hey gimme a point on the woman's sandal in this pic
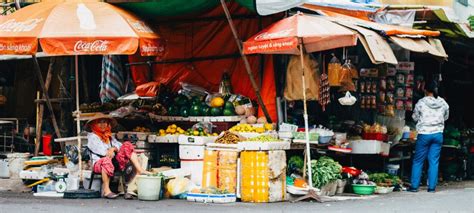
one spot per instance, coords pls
(110, 195)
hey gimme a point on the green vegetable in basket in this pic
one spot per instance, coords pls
(295, 164)
(325, 170)
(384, 179)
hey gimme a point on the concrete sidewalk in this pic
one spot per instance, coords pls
(454, 197)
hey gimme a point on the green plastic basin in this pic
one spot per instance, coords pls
(363, 189)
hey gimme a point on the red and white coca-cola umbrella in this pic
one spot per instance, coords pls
(299, 34)
(76, 27)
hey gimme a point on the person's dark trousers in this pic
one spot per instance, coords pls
(427, 146)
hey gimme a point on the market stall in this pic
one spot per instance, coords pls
(213, 136)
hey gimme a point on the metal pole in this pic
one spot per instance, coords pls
(246, 62)
(78, 120)
(306, 125)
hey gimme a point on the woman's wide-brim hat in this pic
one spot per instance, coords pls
(98, 116)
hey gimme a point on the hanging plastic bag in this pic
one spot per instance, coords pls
(347, 100)
(334, 72)
(347, 84)
(294, 82)
(225, 86)
(192, 90)
(204, 126)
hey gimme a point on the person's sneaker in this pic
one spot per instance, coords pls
(431, 190)
(412, 190)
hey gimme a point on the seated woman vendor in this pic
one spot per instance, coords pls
(108, 154)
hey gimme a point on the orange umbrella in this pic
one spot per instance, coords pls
(315, 34)
(76, 28)
(295, 35)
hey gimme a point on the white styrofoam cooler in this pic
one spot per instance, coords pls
(162, 139)
(369, 147)
(195, 167)
(196, 140)
(189, 152)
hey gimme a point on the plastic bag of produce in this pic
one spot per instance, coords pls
(122, 111)
(334, 72)
(150, 89)
(179, 186)
(347, 100)
(192, 90)
(204, 126)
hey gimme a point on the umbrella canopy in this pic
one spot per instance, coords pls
(76, 28)
(315, 33)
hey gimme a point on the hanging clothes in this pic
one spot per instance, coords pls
(114, 81)
(294, 82)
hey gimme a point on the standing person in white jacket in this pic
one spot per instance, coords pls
(430, 114)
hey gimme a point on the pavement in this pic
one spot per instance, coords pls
(453, 197)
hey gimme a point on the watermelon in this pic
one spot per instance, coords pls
(205, 110)
(195, 110)
(228, 112)
(173, 110)
(216, 111)
(229, 105)
(181, 100)
(184, 111)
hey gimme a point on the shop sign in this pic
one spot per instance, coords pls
(270, 46)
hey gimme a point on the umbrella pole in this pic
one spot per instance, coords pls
(246, 62)
(78, 120)
(81, 193)
(311, 192)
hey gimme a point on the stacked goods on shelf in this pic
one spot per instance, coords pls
(138, 136)
(220, 170)
(191, 149)
(263, 176)
(170, 135)
(368, 87)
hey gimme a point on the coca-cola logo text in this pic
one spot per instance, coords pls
(279, 34)
(19, 26)
(93, 47)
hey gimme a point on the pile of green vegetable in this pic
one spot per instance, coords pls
(384, 179)
(325, 170)
(295, 165)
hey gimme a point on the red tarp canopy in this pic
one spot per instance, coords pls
(205, 36)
